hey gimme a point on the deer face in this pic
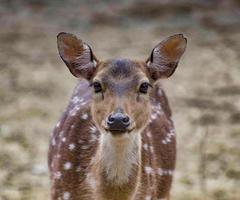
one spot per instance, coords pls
(121, 91)
(121, 87)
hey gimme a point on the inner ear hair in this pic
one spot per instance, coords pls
(77, 55)
(164, 58)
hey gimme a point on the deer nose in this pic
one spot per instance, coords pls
(118, 122)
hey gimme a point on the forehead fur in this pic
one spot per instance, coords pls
(121, 68)
(120, 75)
(118, 69)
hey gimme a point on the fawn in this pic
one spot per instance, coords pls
(116, 139)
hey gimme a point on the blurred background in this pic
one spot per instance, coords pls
(204, 92)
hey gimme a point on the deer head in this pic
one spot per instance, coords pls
(121, 87)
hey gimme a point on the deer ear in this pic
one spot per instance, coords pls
(77, 55)
(165, 56)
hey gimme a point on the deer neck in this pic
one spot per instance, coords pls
(117, 165)
(119, 157)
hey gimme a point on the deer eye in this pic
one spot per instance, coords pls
(97, 87)
(144, 88)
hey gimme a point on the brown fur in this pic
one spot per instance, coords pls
(122, 91)
(76, 129)
(88, 162)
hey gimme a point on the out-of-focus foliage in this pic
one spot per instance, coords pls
(204, 92)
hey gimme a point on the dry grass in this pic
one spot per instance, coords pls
(204, 92)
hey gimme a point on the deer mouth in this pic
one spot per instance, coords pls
(118, 131)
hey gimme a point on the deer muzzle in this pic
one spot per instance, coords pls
(118, 122)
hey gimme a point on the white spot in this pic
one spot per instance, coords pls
(93, 129)
(158, 107)
(58, 124)
(61, 134)
(52, 164)
(73, 112)
(172, 132)
(148, 170)
(154, 116)
(164, 172)
(83, 103)
(145, 146)
(156, 111)
(58, 155)
(151, 149)
(66, 195)
(57, 175)
(149, 134)
(170, 172)
(76, 100)
(148, 197)
(63, 139)
(72, 126)
(84, 147)
(53, 141)
(159, 91)
(169, 136)
(81, 141)
(67, 165)
(160, 171)
(71, 146)
(159, 112)
(84, 116)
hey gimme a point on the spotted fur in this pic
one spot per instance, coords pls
(73, 153)
(86, 161)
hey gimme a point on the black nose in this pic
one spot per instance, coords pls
(118, 122)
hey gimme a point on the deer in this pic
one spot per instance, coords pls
(116, 139)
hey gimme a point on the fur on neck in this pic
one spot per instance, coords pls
(119, 156)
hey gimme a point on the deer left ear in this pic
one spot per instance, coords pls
(165, 56)
(77, 55)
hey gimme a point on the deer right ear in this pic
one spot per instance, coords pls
(77, 55)
(165, 56)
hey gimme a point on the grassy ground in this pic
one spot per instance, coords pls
(204, 92)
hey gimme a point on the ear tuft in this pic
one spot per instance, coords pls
(76, 54)
(166, 55)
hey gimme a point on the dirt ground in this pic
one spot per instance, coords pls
(204, 92)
